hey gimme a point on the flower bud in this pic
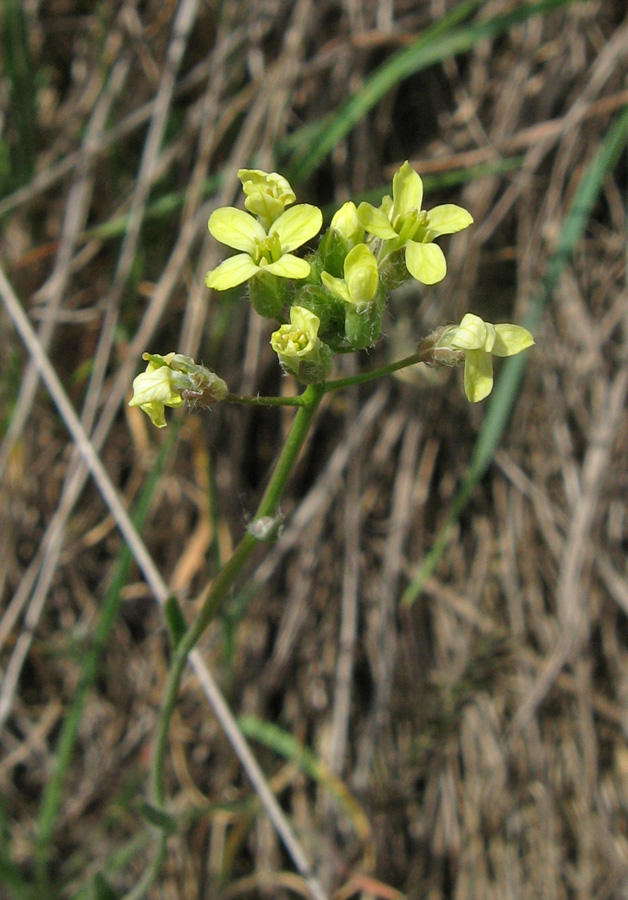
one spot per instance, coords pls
(267, 194)
(301, 352)
(344, 233)
(267, 529)
(364, 298)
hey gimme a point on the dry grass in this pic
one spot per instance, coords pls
(481, 732)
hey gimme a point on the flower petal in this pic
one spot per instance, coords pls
(156, 386)
(289, 266)
(232, 272)
(407, 190)
(474, 333)
(297, 225)
(511, 339)
(375, 221)
(478, 375)
(425, 262)
(336, 286)
(235, 228)
(305, 321)
(345, 222)
(448, 219)
(156, 413)
(361, 274)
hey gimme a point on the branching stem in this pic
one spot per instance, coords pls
(307, 403)
(363, 377)
(302, 400)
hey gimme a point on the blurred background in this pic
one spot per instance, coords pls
(431, 663)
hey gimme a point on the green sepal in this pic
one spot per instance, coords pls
(316, 267)
(175, 621)
(363, 322)
(328, 308)
(311, 371)
(363, 325)
(393, 272)
(158, 817)
(332, 251)
(269, 294)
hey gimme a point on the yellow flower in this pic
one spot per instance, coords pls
(401, 222)
(479, 341)
(172, 380)
(346, 224)
(263, 251)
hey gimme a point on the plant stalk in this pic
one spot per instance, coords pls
(221, 586)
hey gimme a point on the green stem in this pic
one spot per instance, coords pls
(302, 399)
(373, 374)
(219, 589)
(151, 873)
(307, 404)
(266, 401)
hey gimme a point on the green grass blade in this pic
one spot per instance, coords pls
(19, 69)
(286, 745)
(171, 203)
(438, 43)
(302, 138)
(503, 397)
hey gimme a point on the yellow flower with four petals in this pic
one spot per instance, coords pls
(400, 222)
(262, 250)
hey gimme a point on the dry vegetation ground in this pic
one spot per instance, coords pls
(481, 731)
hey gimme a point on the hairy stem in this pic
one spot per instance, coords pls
(265, 401)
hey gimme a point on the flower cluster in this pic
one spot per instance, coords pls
(365, 252)
(332, 300)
